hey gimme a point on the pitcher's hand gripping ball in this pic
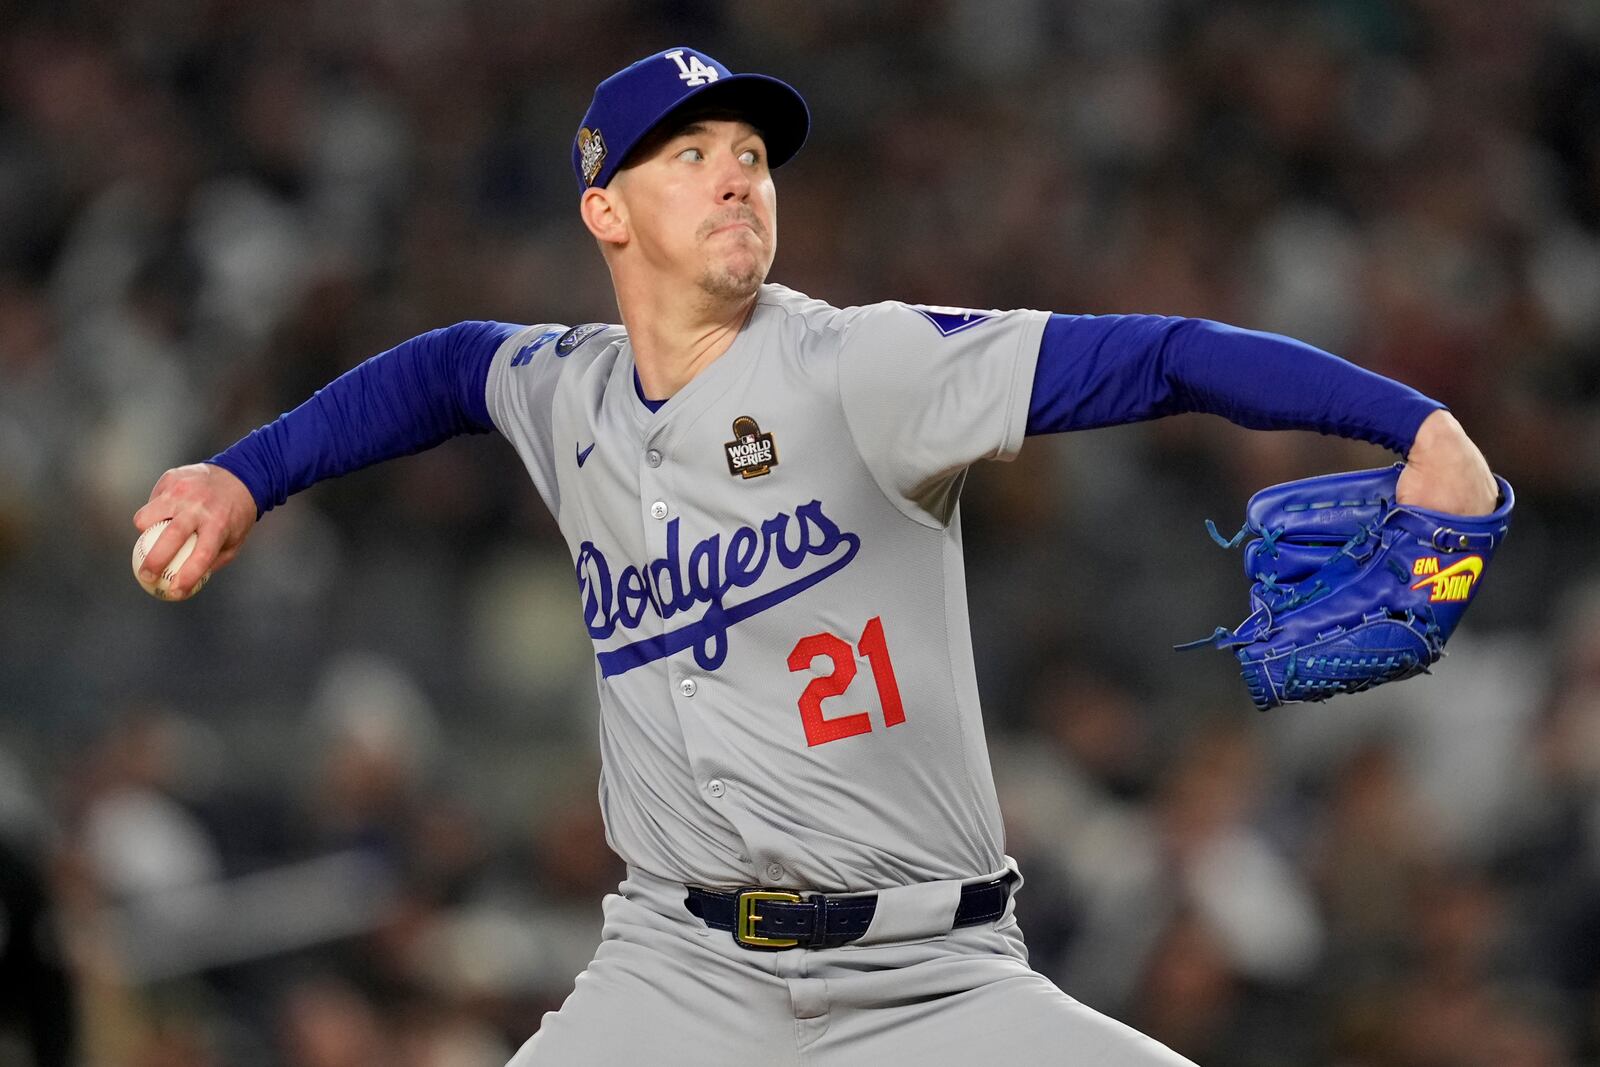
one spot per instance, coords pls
(163, 583)
(1351, 589)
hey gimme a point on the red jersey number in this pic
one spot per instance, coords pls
(819, 728)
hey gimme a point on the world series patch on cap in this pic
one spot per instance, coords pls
(639, 97)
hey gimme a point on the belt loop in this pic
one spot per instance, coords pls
(914, 912)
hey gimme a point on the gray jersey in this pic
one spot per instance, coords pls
(770, 569)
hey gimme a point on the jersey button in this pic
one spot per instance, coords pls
(653, 458)
(687, 687)
(658, 510)
(716, 788)
(774, 872)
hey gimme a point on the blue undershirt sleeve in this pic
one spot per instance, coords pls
(410, 398)
(1105, 370)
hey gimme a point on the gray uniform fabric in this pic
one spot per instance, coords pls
(770, 568)
(667, 991)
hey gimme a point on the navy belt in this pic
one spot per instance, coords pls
(778, 919)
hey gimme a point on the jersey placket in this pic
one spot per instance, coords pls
(668, 482)
(666, 505)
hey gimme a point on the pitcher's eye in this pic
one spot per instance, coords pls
(691, 155)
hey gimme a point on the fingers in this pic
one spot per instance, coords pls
(161, 552)
(157, 507)
(200, 562)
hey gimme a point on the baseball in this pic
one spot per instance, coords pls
(160, 587)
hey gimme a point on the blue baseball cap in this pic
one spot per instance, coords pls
(637, 98)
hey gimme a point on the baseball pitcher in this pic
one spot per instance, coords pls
(761, 496)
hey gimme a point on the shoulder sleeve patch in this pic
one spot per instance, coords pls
(948, 320)
(576, 336)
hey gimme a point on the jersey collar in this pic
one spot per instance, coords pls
(701, 390)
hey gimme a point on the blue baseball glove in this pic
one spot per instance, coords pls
(1350, 589)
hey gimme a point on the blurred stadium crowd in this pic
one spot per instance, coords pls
(339, 810)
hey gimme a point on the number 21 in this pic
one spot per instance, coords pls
(819, 728)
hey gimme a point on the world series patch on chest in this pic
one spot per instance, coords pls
(751, 453)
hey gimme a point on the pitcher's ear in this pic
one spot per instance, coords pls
(605, 215)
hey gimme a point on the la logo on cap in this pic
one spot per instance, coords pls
(692, 72)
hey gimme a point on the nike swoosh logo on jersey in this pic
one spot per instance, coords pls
(583, 453)
(713, 569)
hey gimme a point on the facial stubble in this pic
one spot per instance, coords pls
(737, 280)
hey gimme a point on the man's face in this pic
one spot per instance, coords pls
(701, 206)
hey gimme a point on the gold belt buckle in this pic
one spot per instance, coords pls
(745, 932)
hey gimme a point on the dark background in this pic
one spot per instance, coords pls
(339, 810)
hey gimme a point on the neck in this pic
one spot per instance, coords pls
(676, 337)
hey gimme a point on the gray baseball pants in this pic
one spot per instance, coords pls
(664, 989)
